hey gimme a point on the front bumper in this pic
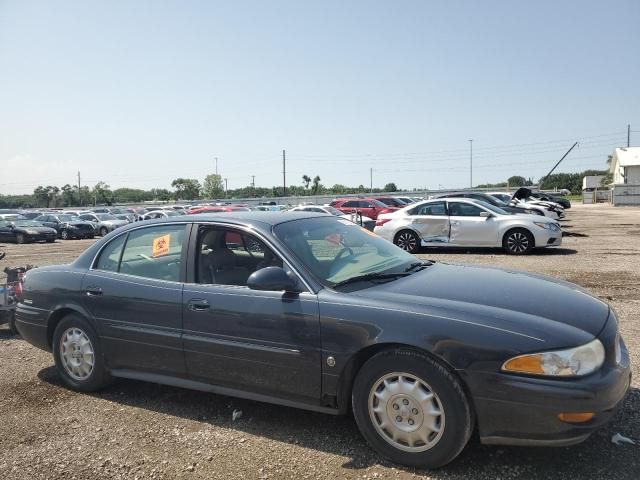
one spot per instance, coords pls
(547, 238)
(517, 410)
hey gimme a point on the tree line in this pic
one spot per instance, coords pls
(213, 187)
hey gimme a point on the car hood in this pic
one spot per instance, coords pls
(41, 229)
(77, 223)
(556, 311)
(117, 223)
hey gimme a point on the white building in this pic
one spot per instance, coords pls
(625, 166)
(591, 182)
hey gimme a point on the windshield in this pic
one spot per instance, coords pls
(105, 216)
(332, 211)
(335, 250)
(27, 223)
(493, 208)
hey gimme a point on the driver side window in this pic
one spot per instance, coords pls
(464, 210)
(228, 257)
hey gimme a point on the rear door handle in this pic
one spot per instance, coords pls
(93, 291)
(198, 305)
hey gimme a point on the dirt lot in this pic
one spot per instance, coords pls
(139, 430)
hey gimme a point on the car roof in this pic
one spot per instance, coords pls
(241, 218)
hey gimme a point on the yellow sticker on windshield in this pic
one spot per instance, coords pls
(161, 246)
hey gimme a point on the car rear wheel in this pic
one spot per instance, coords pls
(103, 231)
(408, 241)
(518, 241)
(64, 234)
(12, 322)
(411, 409)
(20, 238)
(78, 355)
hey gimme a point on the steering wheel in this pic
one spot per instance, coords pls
(342, 252)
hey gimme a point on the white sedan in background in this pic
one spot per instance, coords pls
(461, 222)
(367, 222)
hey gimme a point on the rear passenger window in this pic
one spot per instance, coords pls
(154, 252)
(109, 258)
(436, 209)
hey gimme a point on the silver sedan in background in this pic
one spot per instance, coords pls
(461, 222)
(103, 222)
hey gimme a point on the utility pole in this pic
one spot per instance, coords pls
(225, 187)
(556, 166)
(79, 194)
(471, 163)
(371, 180)
(284, 173)
(216, 165)
(628, 135)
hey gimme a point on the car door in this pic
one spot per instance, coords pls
(6, 232)
(469, 228)
(431, 221)
(134, 292)
(260, 341)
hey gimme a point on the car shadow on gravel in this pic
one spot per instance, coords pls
(338, 435)
(494, 251)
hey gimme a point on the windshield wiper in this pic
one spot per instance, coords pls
(371, 276)
(420, 265)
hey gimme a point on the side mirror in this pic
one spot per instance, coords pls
(486, 214)
(272, 279)
(12, 226)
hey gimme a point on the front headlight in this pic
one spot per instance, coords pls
(554, 227)
(573, 362)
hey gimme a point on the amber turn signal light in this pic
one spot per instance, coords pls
(576, 417)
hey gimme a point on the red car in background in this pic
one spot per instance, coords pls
(217, 209)
(369, 207)
(392, 202)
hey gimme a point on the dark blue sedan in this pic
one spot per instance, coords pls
(313, 311)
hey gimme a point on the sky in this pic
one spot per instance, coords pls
(137, 93)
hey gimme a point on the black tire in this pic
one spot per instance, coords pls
(407, 240)
(64, 235)
(91, 237)
(99, 376)
(456, 419)
(12, 322)
(518, 241)
(103, 231)
(51, 240)
(20, 238)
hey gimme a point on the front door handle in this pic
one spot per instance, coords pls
(93, 291)
(455, 222)
(198, 305)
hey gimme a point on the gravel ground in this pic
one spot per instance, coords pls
(139, 430)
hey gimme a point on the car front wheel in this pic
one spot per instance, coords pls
(20, 238)
(411, 409)
(103, 231)
(518, 241)
(64, 234)
(408, 241)
(78, 355)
